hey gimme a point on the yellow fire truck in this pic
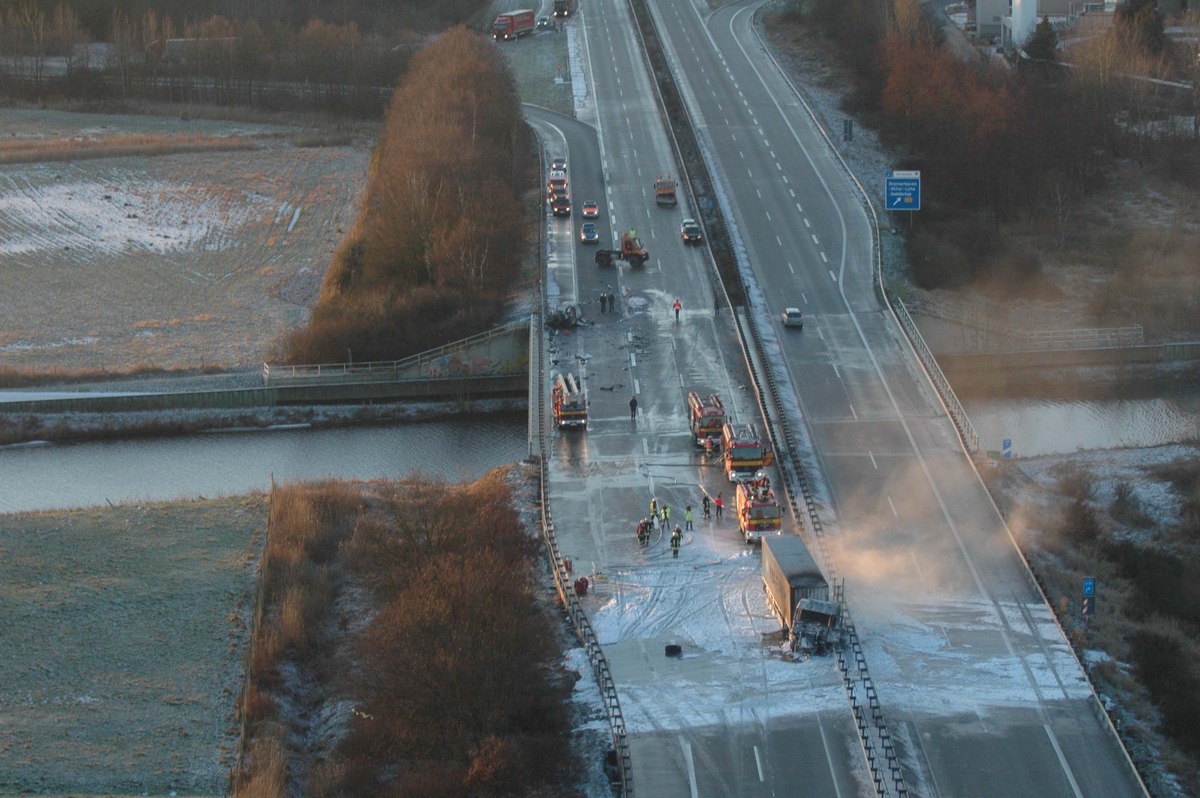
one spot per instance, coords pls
(745, 451)
(758, 513)
(707, 418)
(570, 405)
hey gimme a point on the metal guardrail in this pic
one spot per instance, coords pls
(954, 408)
(381, 369)
(1088, 338)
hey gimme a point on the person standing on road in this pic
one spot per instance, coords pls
(633, 408)
(678, 307)
(603, 301)
(676, 539)
(720, 504)
(707, 507)
(666, 515)
(687, 518)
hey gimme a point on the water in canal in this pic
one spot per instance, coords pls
(89, 474)
(1059, 426)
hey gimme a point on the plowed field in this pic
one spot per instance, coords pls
(174, 261)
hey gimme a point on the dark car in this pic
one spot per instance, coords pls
(561, 205)
(690, 232)
(558, 165)
(543, 23)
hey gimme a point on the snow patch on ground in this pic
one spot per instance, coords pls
(108, 218)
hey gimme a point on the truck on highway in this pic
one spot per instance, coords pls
(513, 24)
(707, 418)
(758, 513)
(631, 250)
(664, 191)
(568, 401)
(563, 8)
(799, 595)
(745, 452)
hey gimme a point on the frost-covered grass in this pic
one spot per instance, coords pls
(539, 66)
(123, 634)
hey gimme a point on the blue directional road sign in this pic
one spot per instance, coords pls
(1006, 449)
(903, 190)
(1089, 586)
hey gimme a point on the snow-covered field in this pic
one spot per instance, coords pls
(170, 261)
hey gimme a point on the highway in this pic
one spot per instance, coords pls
(981, 692)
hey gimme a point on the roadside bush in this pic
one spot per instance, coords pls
(1126, 508)
(362, 327)
(1074, 481)
(1080, 523)
(937, 263)
(1184, 476)
(1164, 665)
(1164, 584)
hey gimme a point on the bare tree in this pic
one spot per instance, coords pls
(122, 53)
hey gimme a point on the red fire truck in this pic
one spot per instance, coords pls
(707, 418)
(745, 451)
(570, 405)
(758, 513)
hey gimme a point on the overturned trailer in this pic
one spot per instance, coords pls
(799, 595)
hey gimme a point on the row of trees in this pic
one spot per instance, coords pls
(1007, 141)
(382, 17)
(398, 601)
(235, 59)
(440, 234)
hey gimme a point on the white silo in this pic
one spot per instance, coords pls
(1024, 20)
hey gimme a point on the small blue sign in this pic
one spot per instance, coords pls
(1089, 586)
(903, 190)
(1006, 449)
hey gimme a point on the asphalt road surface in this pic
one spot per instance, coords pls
(981, 691)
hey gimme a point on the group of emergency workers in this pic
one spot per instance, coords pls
(660, 516)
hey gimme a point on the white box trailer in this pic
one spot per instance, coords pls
(789, 575)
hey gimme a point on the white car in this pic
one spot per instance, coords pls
(792, 317)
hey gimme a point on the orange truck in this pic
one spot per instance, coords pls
(745, 451)
(664, 190)
(707, 418)
(758, 513)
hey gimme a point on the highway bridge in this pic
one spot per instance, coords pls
(972, 687)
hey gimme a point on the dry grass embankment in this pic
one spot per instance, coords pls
(402, 648)
(119, 146)
(123, 634)
(1137, 532)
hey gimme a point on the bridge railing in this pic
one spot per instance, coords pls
(1087, 338)
(385, 369)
